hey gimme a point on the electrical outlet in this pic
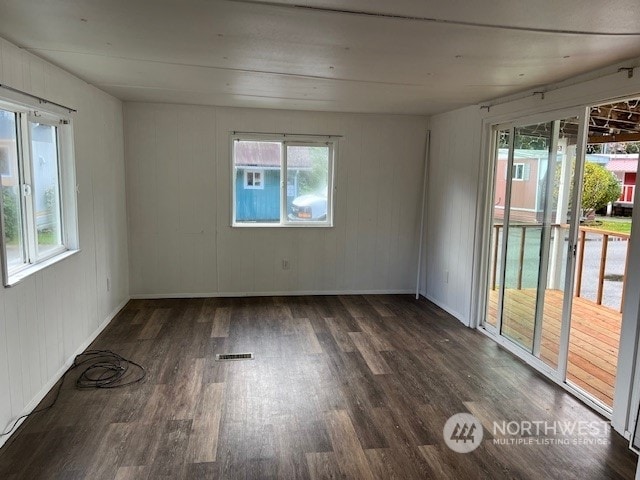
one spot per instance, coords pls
(285, 264)
(108, 284)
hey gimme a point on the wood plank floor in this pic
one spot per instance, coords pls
(356, 387)
(593, 343)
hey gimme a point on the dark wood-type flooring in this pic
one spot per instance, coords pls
(353, 387)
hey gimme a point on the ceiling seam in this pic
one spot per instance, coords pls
(417, 18)
(229, 69)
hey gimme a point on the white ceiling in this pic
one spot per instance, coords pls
(402, 56)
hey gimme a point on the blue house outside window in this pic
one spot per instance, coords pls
(259, 182)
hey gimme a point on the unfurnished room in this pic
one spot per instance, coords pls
(321, 239)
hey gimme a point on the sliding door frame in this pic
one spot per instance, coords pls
(481, 276)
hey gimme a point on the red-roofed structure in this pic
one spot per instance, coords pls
(267, 155)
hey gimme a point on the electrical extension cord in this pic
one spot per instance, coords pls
(103, 369)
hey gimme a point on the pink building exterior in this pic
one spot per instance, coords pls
(625, 167)
(526, 201)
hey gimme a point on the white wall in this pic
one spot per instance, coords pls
(454, 159)
(49, 316)
(178, 190)
(455, 235)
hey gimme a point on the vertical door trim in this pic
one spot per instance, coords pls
(574, 228)
(505, 224)
(545, 239)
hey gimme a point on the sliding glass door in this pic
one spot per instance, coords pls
(532, 232)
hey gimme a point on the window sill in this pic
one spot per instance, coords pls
(18, 277)
(281, 225)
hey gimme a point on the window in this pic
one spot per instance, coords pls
(253, 179)
(38, 190)
(277, 182)
(521, 171)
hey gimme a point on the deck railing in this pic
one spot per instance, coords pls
(523, 238)
(606, 234)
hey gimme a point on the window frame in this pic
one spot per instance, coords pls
(32, 209)
(524, 169)
(518, 167)
(253, 172)
(33, 260)
(286, 140)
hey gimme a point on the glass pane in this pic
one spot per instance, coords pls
(557, 223)
(532, 145)
(602, 262)
(544, 159)
(257, 176)
(307, 183)
(46, 187)
(12, 207)
(499, 197)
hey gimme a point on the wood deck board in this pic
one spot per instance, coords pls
(593, 343)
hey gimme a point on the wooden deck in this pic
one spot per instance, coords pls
(593, 343)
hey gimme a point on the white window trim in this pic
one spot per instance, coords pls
(300, 140)
(67, 187)
(253, 171)
(518, 167)
(23, 273)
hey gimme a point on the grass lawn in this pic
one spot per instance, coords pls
(612, 224)
(46, 237)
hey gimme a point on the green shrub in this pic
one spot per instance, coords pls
(599, 188)
(10, 210)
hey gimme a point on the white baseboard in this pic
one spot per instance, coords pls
(448, 310)
(58, 375)
(151, 296)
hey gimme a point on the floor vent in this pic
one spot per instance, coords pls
(234, 356)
